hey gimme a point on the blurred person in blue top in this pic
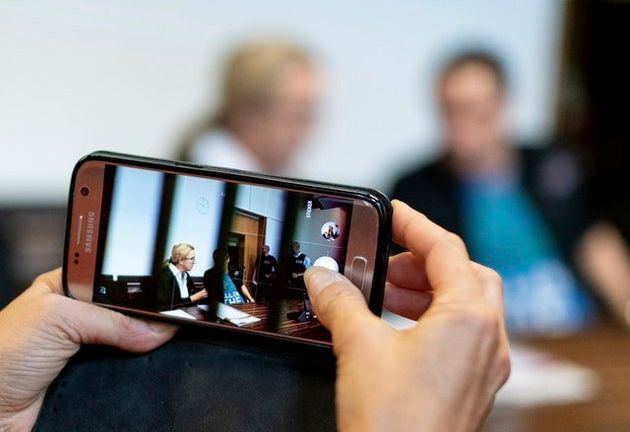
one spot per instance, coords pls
(268, 96)
(523, 211)
(219, 285)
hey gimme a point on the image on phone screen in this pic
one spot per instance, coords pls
(220, 252)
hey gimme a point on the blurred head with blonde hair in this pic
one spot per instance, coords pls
(183, 256)
(268, 98)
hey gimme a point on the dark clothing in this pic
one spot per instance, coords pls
(266, 271)
(221, 287)
(8, 292)
(266, 265)
(525, 221)
(168, 296)
(296, 264)
(552, 178)
(213, 283)
(290, 386)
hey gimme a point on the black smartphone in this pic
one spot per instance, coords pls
(218, 247)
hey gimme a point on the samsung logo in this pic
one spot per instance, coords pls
(309, 209)
(89, 232)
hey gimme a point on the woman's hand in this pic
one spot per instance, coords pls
(42, 329)
(442, 374)
(199, 295)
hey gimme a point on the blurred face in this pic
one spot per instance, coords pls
(295, 248)
(221, 261)
(472, 104)
(265, 250)
(188, 263)
(281, 127)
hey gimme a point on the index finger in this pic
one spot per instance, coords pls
(448, 266)
(450, 273)
(414, 231)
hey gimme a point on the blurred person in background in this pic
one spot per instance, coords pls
(269, 93)
(297, 263)
(265, 273)
(522, 211)
(220, 286)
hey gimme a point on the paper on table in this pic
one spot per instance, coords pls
(540, 378)
(241, 322)
(178, 313)
(537, 378)
(233, 315)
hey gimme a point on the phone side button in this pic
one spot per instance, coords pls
(358, 268)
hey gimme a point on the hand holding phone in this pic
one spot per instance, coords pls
(41, 329)
(441, 374)
(461, 333)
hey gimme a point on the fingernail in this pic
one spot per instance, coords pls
(318, 278)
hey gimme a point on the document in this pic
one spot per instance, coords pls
(539, 378)
(233, 315)
(178, 313)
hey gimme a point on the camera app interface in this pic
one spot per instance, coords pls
(202, 249)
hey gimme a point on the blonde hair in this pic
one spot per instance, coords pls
(249, 82)
(180, 251)
(252, 74)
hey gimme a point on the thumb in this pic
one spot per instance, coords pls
(91, 324)
(339, 305)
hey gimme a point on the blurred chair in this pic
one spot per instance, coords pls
(31, 242)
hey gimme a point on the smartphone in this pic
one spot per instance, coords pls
(218, 247)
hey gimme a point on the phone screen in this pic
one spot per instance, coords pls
(222, 252)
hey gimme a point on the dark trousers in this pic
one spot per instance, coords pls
(201, 380)
(265, 288)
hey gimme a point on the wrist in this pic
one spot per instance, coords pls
(391, 414)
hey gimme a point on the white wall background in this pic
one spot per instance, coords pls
(124, 75)
(133, 222)
(193, 223)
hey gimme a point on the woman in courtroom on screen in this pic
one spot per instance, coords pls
(175, 286)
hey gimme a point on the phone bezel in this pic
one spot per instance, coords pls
(378, 200)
